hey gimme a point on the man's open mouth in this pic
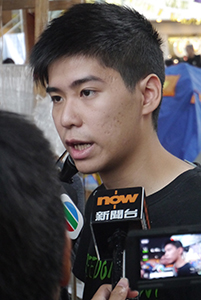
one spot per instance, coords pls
(81, 146)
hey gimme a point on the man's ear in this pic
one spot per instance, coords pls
(66, 271)
(150, 88)
(180, 250)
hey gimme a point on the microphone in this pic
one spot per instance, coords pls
(68, 170)
(114, 214)
(73, 217)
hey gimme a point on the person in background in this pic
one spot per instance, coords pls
(103, 67)
(192, 58)
(35, 247)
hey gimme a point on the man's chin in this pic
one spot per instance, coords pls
(86, 170)
(88, 167)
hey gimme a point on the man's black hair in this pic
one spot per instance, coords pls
(119, 37)
(175, 243)
(32, 226)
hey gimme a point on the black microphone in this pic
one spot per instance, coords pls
(114, 214)
(68, 169)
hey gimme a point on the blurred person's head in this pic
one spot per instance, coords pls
(190, 51)
(34, 254)
(173, 251)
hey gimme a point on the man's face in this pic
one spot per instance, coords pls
(172, 253)
(98, 119)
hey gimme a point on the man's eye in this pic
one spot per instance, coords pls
(87, 93)
(56, 98)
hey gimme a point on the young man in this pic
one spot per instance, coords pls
(174, 255)
(35, 248)
(103, 67)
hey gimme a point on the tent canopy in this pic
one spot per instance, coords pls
(179, 123)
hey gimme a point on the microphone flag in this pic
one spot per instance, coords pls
(122, 209)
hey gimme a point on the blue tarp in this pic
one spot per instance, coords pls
(179, 123)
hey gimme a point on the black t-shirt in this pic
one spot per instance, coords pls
(185, 270)
(179, 203)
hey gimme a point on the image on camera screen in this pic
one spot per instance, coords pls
(170, 256)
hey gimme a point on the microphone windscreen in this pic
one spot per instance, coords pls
(73, 216)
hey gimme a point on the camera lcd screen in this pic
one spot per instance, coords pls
(163, 257)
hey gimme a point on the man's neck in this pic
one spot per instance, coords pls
(152, 168)
(180, 263)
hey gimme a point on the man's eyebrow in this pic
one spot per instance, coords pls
(75, 83)
(51, 89)
(84, 80)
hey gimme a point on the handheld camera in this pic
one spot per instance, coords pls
(163, 258)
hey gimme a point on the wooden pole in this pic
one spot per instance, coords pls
(41, 20)
(41, 16)
(28, 24)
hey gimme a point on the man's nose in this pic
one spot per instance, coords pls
(70, 115)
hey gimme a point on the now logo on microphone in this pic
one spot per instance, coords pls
(116, 199)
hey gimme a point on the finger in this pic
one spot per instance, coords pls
(132, 294)
(103, 293)
(121, 290)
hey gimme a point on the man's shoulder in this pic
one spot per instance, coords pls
(193, 174)
(189, 181)
(178, 202)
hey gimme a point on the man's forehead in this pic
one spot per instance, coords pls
(80, 69)
(170, 246)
